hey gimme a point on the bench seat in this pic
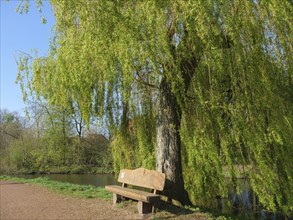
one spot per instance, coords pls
(133, 193)
(142, 178)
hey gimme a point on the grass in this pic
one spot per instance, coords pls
(81, 191)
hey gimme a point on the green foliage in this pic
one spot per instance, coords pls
(37, 155)
(135, 146)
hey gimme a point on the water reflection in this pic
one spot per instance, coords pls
(245, 204)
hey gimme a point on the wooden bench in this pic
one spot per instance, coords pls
(141, 177)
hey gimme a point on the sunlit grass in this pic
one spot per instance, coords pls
(81, 191)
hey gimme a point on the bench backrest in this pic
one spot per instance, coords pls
(143, 177)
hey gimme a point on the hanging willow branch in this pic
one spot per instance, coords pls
(234, 58)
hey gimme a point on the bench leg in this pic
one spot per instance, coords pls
(144, 208)
(116, 198)
(156, 204)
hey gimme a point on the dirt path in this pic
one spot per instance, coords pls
(24, 201)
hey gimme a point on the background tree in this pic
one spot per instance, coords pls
(11, 126)
(11, 130)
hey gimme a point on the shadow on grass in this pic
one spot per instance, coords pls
(176, 210)
(167, 210)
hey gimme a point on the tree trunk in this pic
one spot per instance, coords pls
(168, 152)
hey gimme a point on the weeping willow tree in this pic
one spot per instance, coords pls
(193, 88)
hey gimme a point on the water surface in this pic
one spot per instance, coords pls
(100, 180)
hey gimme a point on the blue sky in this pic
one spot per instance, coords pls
(20, 33)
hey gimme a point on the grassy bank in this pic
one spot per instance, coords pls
(81, 191)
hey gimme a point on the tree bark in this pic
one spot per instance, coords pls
(168, 151)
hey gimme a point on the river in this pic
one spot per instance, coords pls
(100, 180)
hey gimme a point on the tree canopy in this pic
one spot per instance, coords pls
(224, 68)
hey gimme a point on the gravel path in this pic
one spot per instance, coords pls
(24, 201)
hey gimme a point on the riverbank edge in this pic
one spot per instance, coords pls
(81, 191)
(73, 169)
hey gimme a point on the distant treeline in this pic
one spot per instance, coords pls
(51, 140)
